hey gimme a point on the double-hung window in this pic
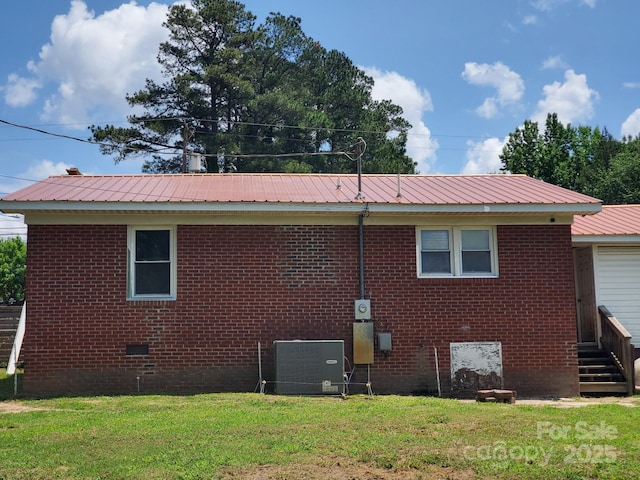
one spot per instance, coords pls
(456, 252)
(152, 263)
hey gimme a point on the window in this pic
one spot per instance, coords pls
(152, 264)
(456, 251)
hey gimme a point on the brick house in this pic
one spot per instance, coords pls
(170, 282)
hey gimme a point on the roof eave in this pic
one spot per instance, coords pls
(611, 238)
(301, 207)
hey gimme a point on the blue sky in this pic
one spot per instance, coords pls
(466, 72)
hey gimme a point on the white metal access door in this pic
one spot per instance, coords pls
(618, 285)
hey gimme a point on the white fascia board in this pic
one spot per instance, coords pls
(605, 239)
(487, 209)
(277, 207)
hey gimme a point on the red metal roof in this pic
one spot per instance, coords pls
(315, 189)
(612, 220)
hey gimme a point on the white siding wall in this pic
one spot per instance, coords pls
(617, 271)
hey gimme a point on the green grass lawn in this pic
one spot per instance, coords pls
(273, 437)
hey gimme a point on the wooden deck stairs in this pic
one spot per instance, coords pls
(9, 318)
(599, 373)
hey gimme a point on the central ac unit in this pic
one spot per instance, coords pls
(309, 367)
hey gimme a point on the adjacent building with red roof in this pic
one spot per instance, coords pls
(433, 283)
(607, 252)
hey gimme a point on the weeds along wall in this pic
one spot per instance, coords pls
(238, 285)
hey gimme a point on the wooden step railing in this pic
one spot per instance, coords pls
(9, 318)
(616, 341)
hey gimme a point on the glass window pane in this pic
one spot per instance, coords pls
(152, 245)
(476, 262)
(153, 279)
(475, 239)
(435, 240)
(436, 262)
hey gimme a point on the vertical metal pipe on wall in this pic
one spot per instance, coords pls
(361, 241)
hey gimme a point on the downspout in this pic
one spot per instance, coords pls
(361, 241)
(359, 151)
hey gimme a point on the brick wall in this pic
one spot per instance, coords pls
(240, 285)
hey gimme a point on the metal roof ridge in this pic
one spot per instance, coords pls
(625, 205)
(284, 174)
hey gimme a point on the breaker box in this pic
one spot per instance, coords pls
(309, 367)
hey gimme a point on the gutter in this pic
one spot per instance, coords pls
(15, 206)
(363, 214)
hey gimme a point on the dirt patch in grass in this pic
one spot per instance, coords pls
(17, 407)
(575, 401)
(344, 469)
(582, 401)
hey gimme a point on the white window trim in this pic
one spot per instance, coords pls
(455, 239)
(131, 245)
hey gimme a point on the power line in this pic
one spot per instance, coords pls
(274, 125)
(174, 150)
(177, 149)
(83, 140)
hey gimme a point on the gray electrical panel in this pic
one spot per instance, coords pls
(384, 342)
(309, 367)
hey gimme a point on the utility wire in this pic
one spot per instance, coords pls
(183, 150)
(177, 149)
(257, 124)
(78, 139)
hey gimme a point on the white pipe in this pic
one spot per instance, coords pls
(435, 353)
(17, 342)
(260, 367)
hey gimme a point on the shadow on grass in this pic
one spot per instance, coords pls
(7, 385)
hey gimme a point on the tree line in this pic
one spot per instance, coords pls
(580, 158)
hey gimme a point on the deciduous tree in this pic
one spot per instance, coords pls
(13, 265)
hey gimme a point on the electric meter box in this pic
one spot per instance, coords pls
(363, 309)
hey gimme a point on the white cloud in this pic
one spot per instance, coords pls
(548, 5)
(46, 168)
(631, 126)
(94, 61)
(554, 62)
(36, 172)
(414, 102)
(572, 100)
(20, 91)
(12, 226)
(483, 157)
(631, 84)
(530, 20)
(508, 83)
